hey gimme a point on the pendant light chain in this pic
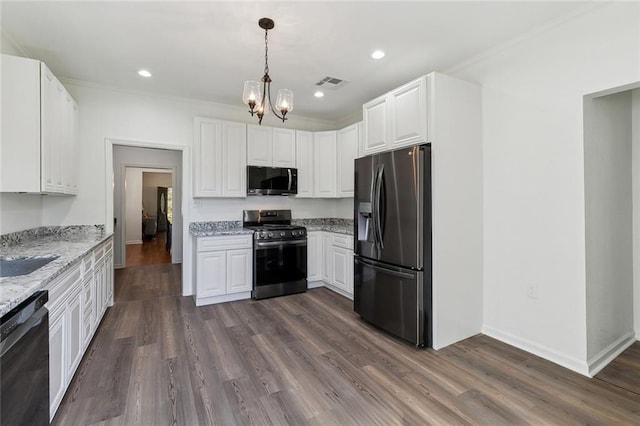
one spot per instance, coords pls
(260, 103)
(266, 52)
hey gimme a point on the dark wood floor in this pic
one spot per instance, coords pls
(151, 252)
(624, 371)
(307, 359)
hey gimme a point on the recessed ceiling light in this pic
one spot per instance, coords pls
(318, 94)
(144, 73)
(377, 54)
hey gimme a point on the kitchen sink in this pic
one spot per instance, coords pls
(17, 266)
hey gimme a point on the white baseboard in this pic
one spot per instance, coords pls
(134, 242)
(315, 284)
(561, 359)
(338, 290)
(609, 353)
(221, 299)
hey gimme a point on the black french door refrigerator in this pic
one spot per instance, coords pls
(392, 263)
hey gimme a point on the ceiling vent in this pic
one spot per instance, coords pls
(331, 83)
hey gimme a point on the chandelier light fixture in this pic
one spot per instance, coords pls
(259, 98)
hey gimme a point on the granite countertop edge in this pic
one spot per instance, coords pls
(15, 290)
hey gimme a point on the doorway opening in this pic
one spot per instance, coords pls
(612, 225)
(148, 215)
(147, 206)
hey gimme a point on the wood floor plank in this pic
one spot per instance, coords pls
(309, 359)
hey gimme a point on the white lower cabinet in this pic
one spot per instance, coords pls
(57, 351)
(314, 256)
(224, 268)
(330, 260)
(77, 301)
(327, 256)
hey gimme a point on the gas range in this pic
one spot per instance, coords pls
(273, 225)
(278, 232)
(279, 253)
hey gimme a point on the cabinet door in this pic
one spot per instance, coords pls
(347, 152)
(324, 164)
(74, 326)
(88, 297)
(235, 159)
(61, 136)
(259, 145)
(71, 148)
(314, 256)
(341, 268)
(327, 258)
(48, 130)
(20, 168)
(211, 274)
(374, 118)
(284, 147)
(57, 358)
(304, 161)
(239, 268)
(108, 273)
(207, 158)
(408, 114)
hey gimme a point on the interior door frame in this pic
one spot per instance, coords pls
(187, 280)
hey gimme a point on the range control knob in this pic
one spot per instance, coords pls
(263, 235)
(282, 234)
(293, 233)
(270, 234)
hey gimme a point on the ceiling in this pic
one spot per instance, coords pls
(206, 50)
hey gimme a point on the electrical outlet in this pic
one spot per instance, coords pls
(532, 291)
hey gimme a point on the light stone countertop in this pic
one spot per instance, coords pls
(69, 243)
(212, 229)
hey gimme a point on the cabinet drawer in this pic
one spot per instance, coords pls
(225, 242)
(58, 287)
(108, 246)
(345, 241)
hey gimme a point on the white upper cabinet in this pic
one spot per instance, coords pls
(396, 119)
(234, 152)
(304, 161)
(374, 118)
(219, 158)
(271, 146)
(39, 130)
(347, 152)
(284, 148)
(259, 145)
(324, 163)
(408, 114)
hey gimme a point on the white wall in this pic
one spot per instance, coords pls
(133, 205)
(609, 230)
(534, 226)
(156, 179)
(635, 130)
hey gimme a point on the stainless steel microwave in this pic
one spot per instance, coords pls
(271, 180)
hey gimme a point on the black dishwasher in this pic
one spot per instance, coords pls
(24, 359)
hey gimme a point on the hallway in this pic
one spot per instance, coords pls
(150, 252)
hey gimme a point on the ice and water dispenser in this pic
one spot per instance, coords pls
(365, 225)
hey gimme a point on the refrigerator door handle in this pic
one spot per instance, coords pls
(374, 210)
(387, 270)
(378, 206)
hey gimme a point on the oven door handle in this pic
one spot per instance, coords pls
(267, 244)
